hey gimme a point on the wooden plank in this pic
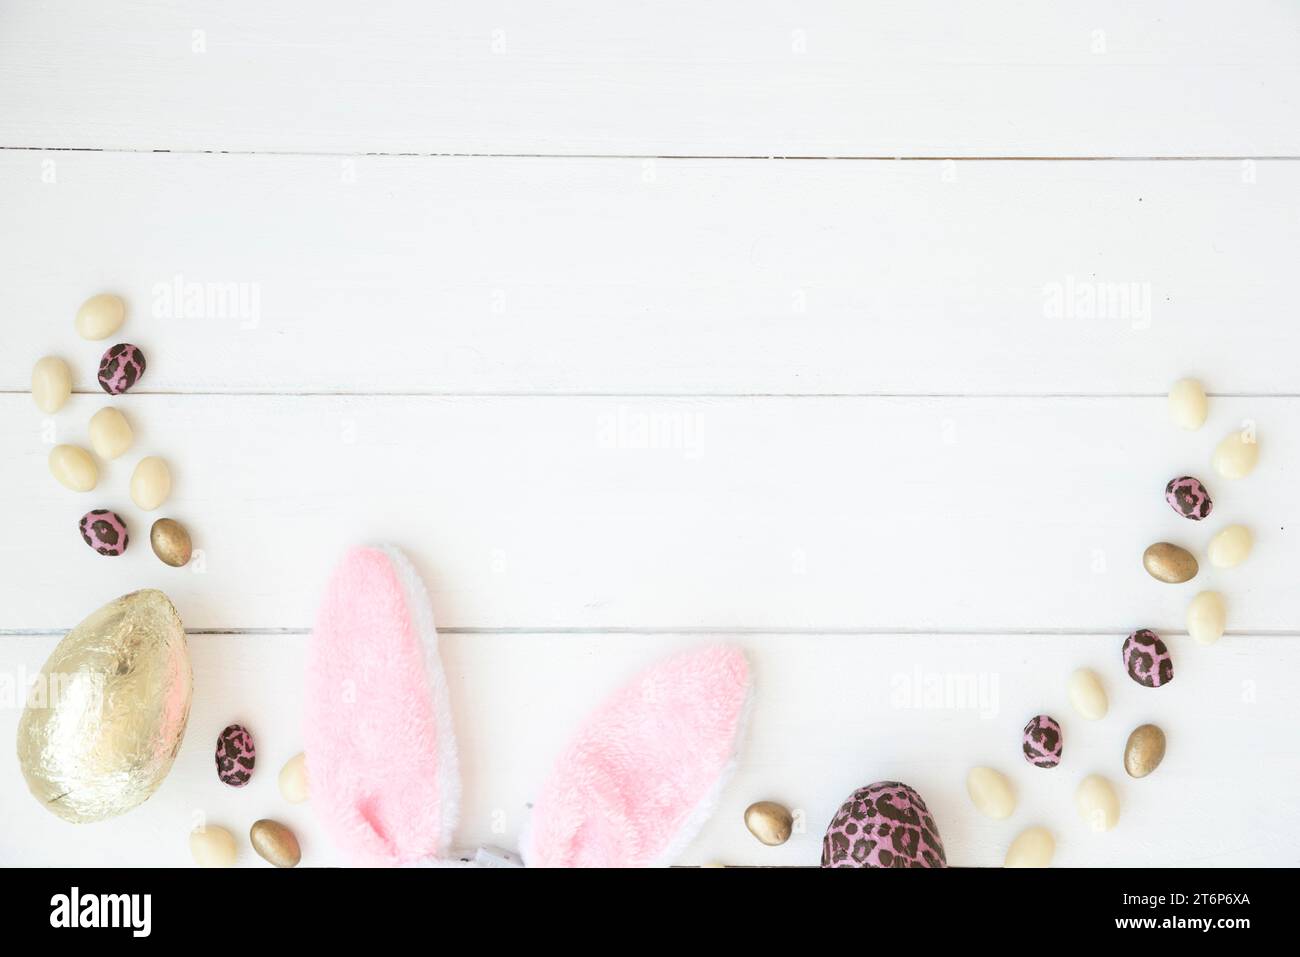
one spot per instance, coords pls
(608, 513)
(831, 713)
(831, 78)
(320, 274)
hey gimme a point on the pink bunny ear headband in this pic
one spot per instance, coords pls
(632, 789)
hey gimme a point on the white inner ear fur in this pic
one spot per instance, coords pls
(696, 820)
(421, 610)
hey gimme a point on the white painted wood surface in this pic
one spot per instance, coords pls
(833, 712)
(811, 513)
(729, 77)
(472, 275)
(620, 388)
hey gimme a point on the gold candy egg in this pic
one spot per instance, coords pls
(275, 843)
(1169, 563)
(1144, 750)
(171, 542)
(770, 822)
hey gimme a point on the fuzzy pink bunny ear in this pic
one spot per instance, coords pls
(645, 770)
(379, 745)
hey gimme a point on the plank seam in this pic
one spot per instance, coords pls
(566, 394)
(865, 158)
(679, 631)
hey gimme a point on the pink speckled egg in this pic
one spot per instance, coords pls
(885, 824)
(120, 368)
(1042, 741)
(236, 756)
(1188, 497)
(1147, 659)
(104, 531)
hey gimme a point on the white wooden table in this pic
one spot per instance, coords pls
(838, 329)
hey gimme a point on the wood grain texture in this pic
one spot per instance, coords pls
(408, 274)
(829, 78)
(621, 379)
(919, 708)
(606, 513)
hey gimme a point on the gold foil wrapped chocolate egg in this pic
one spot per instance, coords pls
(108, 712)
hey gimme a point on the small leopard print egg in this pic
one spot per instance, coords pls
(885, 824)
(1147, 659)
(1188, 497)
(121, 368)
(235, 756)
(1042, 741)
(104, 531)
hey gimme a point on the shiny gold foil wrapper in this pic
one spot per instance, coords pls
(107, 715)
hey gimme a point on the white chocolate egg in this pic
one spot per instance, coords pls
(151, 483)
(1187, 404)
(51, 384)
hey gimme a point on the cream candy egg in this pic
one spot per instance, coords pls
(991, 792)
(1033, 847)
(1097, 803)
(151, 483)
(73, 468)
(1237, 455)
(1230, 547)
(1187, 404)
(51, 384)
(885, 824)
(1207, 618)
(110, 433)
(212, 847)
(100, 316)
(295, 786)
(1087, 695)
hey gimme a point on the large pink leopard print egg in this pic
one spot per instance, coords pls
(235, 756)
(1042, 741)
(120, 368)
(104, 531)
(1147, 659)
(1189, 497)
(885, 824)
